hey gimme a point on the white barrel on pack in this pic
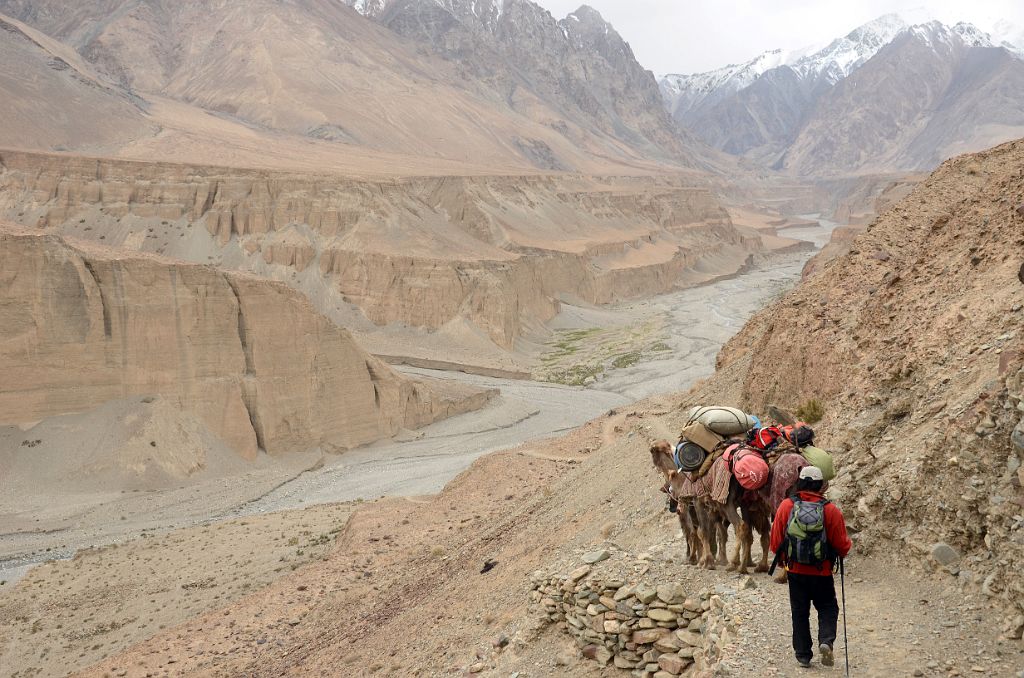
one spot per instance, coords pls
(725, 421)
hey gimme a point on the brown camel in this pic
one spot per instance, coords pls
(712, 516)
(743, 510)
(786, 462)
(686, 507)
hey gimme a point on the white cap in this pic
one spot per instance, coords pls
(811, 473)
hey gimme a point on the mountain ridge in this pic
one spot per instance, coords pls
(581, 64)
(316, 70)
(770, 109)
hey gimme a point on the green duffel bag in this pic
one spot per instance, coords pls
(820, 458)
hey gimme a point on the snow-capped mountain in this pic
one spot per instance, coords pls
(488, 12)
(846, 54)
(933, 92)
(686, 94)
(935, 34)
(772, 108)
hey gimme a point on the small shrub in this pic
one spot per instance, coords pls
(626, 360)
(811, 411)
(577, 375)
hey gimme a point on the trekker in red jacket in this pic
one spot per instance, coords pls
(810, 538)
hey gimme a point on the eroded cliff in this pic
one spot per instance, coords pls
(83, 325)
(497, 252)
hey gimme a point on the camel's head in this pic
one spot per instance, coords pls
(674, 483)
(661, 456)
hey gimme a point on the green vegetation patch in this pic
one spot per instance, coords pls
(577, 375)
(627, 360)
(811, 411)
(577, 357)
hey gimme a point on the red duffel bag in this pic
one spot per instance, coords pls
(748, 467)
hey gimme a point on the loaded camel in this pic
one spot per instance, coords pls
(709, 505)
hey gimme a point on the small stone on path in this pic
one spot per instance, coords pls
(944, 554)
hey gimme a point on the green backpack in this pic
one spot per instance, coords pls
(806, 538)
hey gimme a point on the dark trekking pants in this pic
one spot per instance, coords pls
(805, 589)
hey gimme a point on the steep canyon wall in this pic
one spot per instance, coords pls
(83, 325)
(496, 251)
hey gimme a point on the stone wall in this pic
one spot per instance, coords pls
(655, 629)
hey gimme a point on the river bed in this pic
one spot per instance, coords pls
(696, 322)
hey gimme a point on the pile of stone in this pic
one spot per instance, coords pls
(654, 629)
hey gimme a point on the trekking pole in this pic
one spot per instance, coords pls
(846, 642)
(775, 562)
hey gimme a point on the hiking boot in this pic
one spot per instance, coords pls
(804, 663)
(826, 655)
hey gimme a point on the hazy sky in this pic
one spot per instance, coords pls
(687, 36)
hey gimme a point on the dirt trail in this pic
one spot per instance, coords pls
(897, 623)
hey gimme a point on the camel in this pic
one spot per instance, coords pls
(707, 520)
(686, 507)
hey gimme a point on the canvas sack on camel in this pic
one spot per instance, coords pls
(748, 467)
(725, 421)
(820, 458)
(702, 435)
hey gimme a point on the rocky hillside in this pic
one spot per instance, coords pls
(493, 255)
(519, 92)
(888, 96)
(82, 110)
(580, 65)
(251, 359)
(918, 361)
